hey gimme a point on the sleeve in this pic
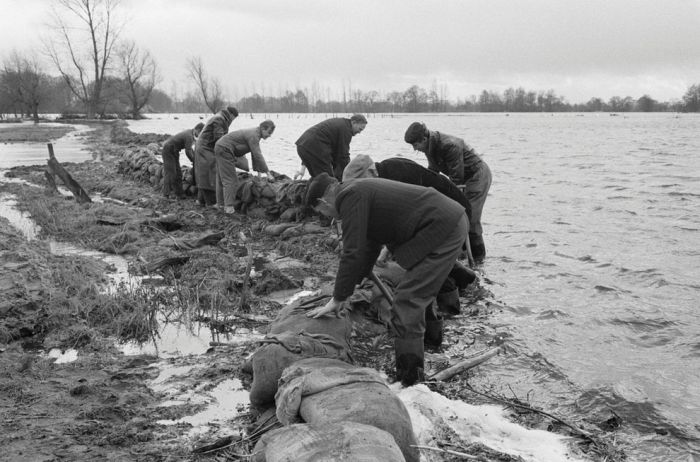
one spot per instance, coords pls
(219, 129)
(355, 261)
(259, 164)
(341, 157)
(189, 141)
(454, 159)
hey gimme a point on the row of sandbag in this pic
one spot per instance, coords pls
(330, 408)
(255, 196)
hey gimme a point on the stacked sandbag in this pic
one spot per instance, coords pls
(293, 336)
(321, 392)
(342, 441)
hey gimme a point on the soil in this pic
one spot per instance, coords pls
(103, 406)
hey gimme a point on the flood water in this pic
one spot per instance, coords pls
(592, 233)
(69, 148)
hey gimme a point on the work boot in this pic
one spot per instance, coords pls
(409, 361)
(432, 338)
(476, 242)
(462, 275)
(448, 303)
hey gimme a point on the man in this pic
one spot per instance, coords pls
(172, 173)
(456, 159)
(205, 163)
(228, 150)
(325, 147)
(407, 171)
(423, 229)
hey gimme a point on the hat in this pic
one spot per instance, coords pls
(317, 187)
(358, 168)
(233, 111)
(415, 132)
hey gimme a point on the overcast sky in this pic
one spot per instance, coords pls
(578, 48)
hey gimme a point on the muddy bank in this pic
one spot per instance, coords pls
(207, 271)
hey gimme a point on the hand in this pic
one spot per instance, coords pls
(299, 175)
(333, 307)
(383, 258)
(270, 178)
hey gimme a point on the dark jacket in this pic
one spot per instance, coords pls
(241, 142)
(178, 142)
(205, 163)
(451, 156)
(215, 128)
(330, 138)
(407, 171)
(410, 220)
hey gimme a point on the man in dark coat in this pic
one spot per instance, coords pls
(172, 173)
(325, 147)
(423, 229)
(205, 162)
(456, 159)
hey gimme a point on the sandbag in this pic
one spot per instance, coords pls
(270, 360)
(342, 441)
(369, 402)
(292, 318)
(314, 375)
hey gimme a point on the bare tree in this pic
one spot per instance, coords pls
(25, 85)
(85, 33)
(140, 75)
(209, 87)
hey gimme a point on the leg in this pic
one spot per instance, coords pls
(414, 295)
(316, 163)
(476, 190)
(226, 179)
(168, 171)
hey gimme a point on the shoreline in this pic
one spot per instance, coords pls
(129, 425)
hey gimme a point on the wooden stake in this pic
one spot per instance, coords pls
(55, 169)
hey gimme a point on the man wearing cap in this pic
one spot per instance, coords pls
(325, 147)
(456, 159)
(205, 162)
(229, 152)
(423, 229)
(172, 173)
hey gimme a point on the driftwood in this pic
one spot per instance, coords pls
(464, 365)
(54, 169)
(463, 455)
(188, 244)
(165, 262)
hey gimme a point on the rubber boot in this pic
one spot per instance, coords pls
(476, 242)
(432, 339)
(409, 361)
(448, 303)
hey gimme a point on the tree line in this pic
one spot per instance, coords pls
(101, 73)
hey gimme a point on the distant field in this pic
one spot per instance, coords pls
(12, 133)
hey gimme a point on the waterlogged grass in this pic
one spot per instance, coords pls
(77, 311)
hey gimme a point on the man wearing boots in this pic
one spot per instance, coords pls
(452, 156)
(424, 230)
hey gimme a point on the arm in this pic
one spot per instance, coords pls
(259, 164)
(454, 159)
(300, 174)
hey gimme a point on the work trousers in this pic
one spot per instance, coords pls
(226, 177)
(415, 294)
(319, 162)
(172, 173)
